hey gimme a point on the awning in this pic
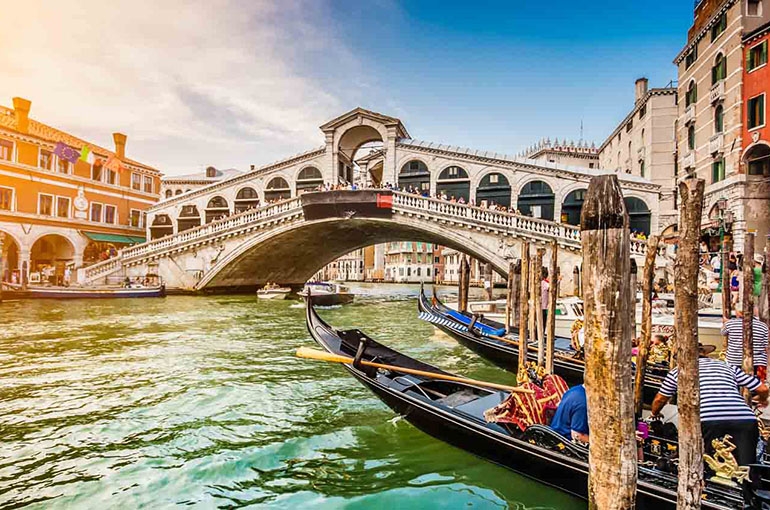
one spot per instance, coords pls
(114, 238)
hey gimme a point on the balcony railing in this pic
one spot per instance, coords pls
(716, 143)
(717, 92)
(689, 114)
(688, 160)
(641, 152)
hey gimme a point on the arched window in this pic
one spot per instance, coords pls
(247, 198)
(692, 94)
(277, 189)
(161, 227)
(719, 70)
(309, 179)
(189, 217)
(758, 159)
(414, 174)
(691, 137)
(169, 193)
(572, 207)
(638, 215)
(494, 188)
(216, 208)
(537, 200)
(178, 192)
(719, 119)
(454, 182)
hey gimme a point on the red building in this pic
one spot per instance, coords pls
(756, 90)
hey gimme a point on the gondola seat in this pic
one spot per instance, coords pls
(477, 407)
(545, 436)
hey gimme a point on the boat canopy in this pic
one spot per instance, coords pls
(101, 237)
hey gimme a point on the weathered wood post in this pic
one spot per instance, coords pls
(606, 259)
(511, 293)
(747, 290)
(553, 294)
(2, 266)
(725, 277)
(464, 281)
(537, 297)
(686, 331)
(533, 278)
(767, 282)
(576, 281)
(524, 306)
(648, 275)
(632, 280)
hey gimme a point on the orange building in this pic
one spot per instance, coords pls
(57, 215)
(756, 90)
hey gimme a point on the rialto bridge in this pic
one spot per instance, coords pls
(254, 227)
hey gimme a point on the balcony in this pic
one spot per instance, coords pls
(689, 114)
(716, 143)
(717, 92)
(688, 161)
(641, 152)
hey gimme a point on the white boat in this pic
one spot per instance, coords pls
(328, 293)
(273, 291)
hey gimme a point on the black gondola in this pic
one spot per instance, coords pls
(506, 355)
(453, 412)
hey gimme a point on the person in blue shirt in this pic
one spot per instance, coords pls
(571, 418)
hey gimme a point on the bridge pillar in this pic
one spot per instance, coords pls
(389, 171)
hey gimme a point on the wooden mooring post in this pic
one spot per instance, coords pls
(690, 485)
(725, 277)
(464, 281)
(576, 282)
(553, 294)
(747, 295)
(524, 306)
(512, 296)
(766, 280)
(605, 242)
(648, 277)
(537, 299)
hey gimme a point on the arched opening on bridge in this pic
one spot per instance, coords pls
(639, 215)
(573, 206)
(414, 174)
(537, 200)
(98, 251)
(179, 192)
(277, 189)
(494, 188)
(189, 217)
(757, 159)
(9, 265)
(49, 256)
(351, 141)
(169, 193)
(247, 198)
(309, 179)
(454, 182)
(368, 164)
(161, 226)
(217, 208)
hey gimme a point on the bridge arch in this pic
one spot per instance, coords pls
(189, 217)
(246, 198)
(216, 208)
(308, 178)
(161, 225)
(639, 215)
(572, 204)
(414, 172)
(536, 198)
(454, 180)
(494, 186)
(277, 189)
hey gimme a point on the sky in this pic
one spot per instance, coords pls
(231, 84)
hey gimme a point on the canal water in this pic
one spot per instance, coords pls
(199, 401)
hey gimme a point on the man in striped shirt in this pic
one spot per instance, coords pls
(733, 329)
(722, 407)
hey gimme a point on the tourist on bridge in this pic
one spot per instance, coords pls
(722, 407)
(733, 329)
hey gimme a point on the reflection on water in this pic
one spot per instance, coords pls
(199, 401)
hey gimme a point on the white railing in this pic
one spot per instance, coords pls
(689, 114)
(716, 143)
(717, 92)
(688, 160)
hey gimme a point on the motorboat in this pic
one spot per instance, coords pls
(273, 291)
(134, 290)
(328, 293)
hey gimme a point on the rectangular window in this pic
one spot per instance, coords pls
(6, 199)
(756, 111)
(757, 56)
(641, 168)
(718, 170)
(96, 212)
(45, 159)
(136, 181)
(719, 27)
(110, 214)
(147, 184)
(642, 111)
(754, 8)
(629, 126)
(110, 177)
(62, 166)
(63, 207)
(96, 172)
(6, 150)
(134, 218)
(691, 57)
(494, 179)
(45, 204)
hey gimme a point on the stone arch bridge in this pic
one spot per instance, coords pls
(288, 241)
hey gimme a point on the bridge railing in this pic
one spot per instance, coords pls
(240, 220)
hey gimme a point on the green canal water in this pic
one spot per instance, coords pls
(199, 401)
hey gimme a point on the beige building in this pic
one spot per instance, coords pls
(173, 185)
(566, 153)
(709, 125)
(644, 144)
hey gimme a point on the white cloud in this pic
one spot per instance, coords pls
(191, 83)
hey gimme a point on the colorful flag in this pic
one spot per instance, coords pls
(87, 156)
(113, 164)
(64, 151)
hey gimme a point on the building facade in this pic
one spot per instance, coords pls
(174, 185)
(644, 144)
(59, 212)
(408, 262)
(711, 129)
(567, 153)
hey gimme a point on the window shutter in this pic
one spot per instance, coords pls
(763, 53)
(748, 60)
(761, 108)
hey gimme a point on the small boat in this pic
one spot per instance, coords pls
(273, 291)
(487, 339)
(328, 293)
(131, 291)
(453, 412)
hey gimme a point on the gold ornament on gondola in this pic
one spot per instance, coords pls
(727, 470)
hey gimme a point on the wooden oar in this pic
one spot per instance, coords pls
(304, 352)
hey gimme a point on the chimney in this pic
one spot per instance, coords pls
(21, 110)
(120, 145)
(641, 88)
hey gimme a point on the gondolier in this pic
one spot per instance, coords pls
(571, 418)
(733, 329)
(722, 407)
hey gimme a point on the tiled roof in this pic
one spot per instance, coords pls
(53, 135)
